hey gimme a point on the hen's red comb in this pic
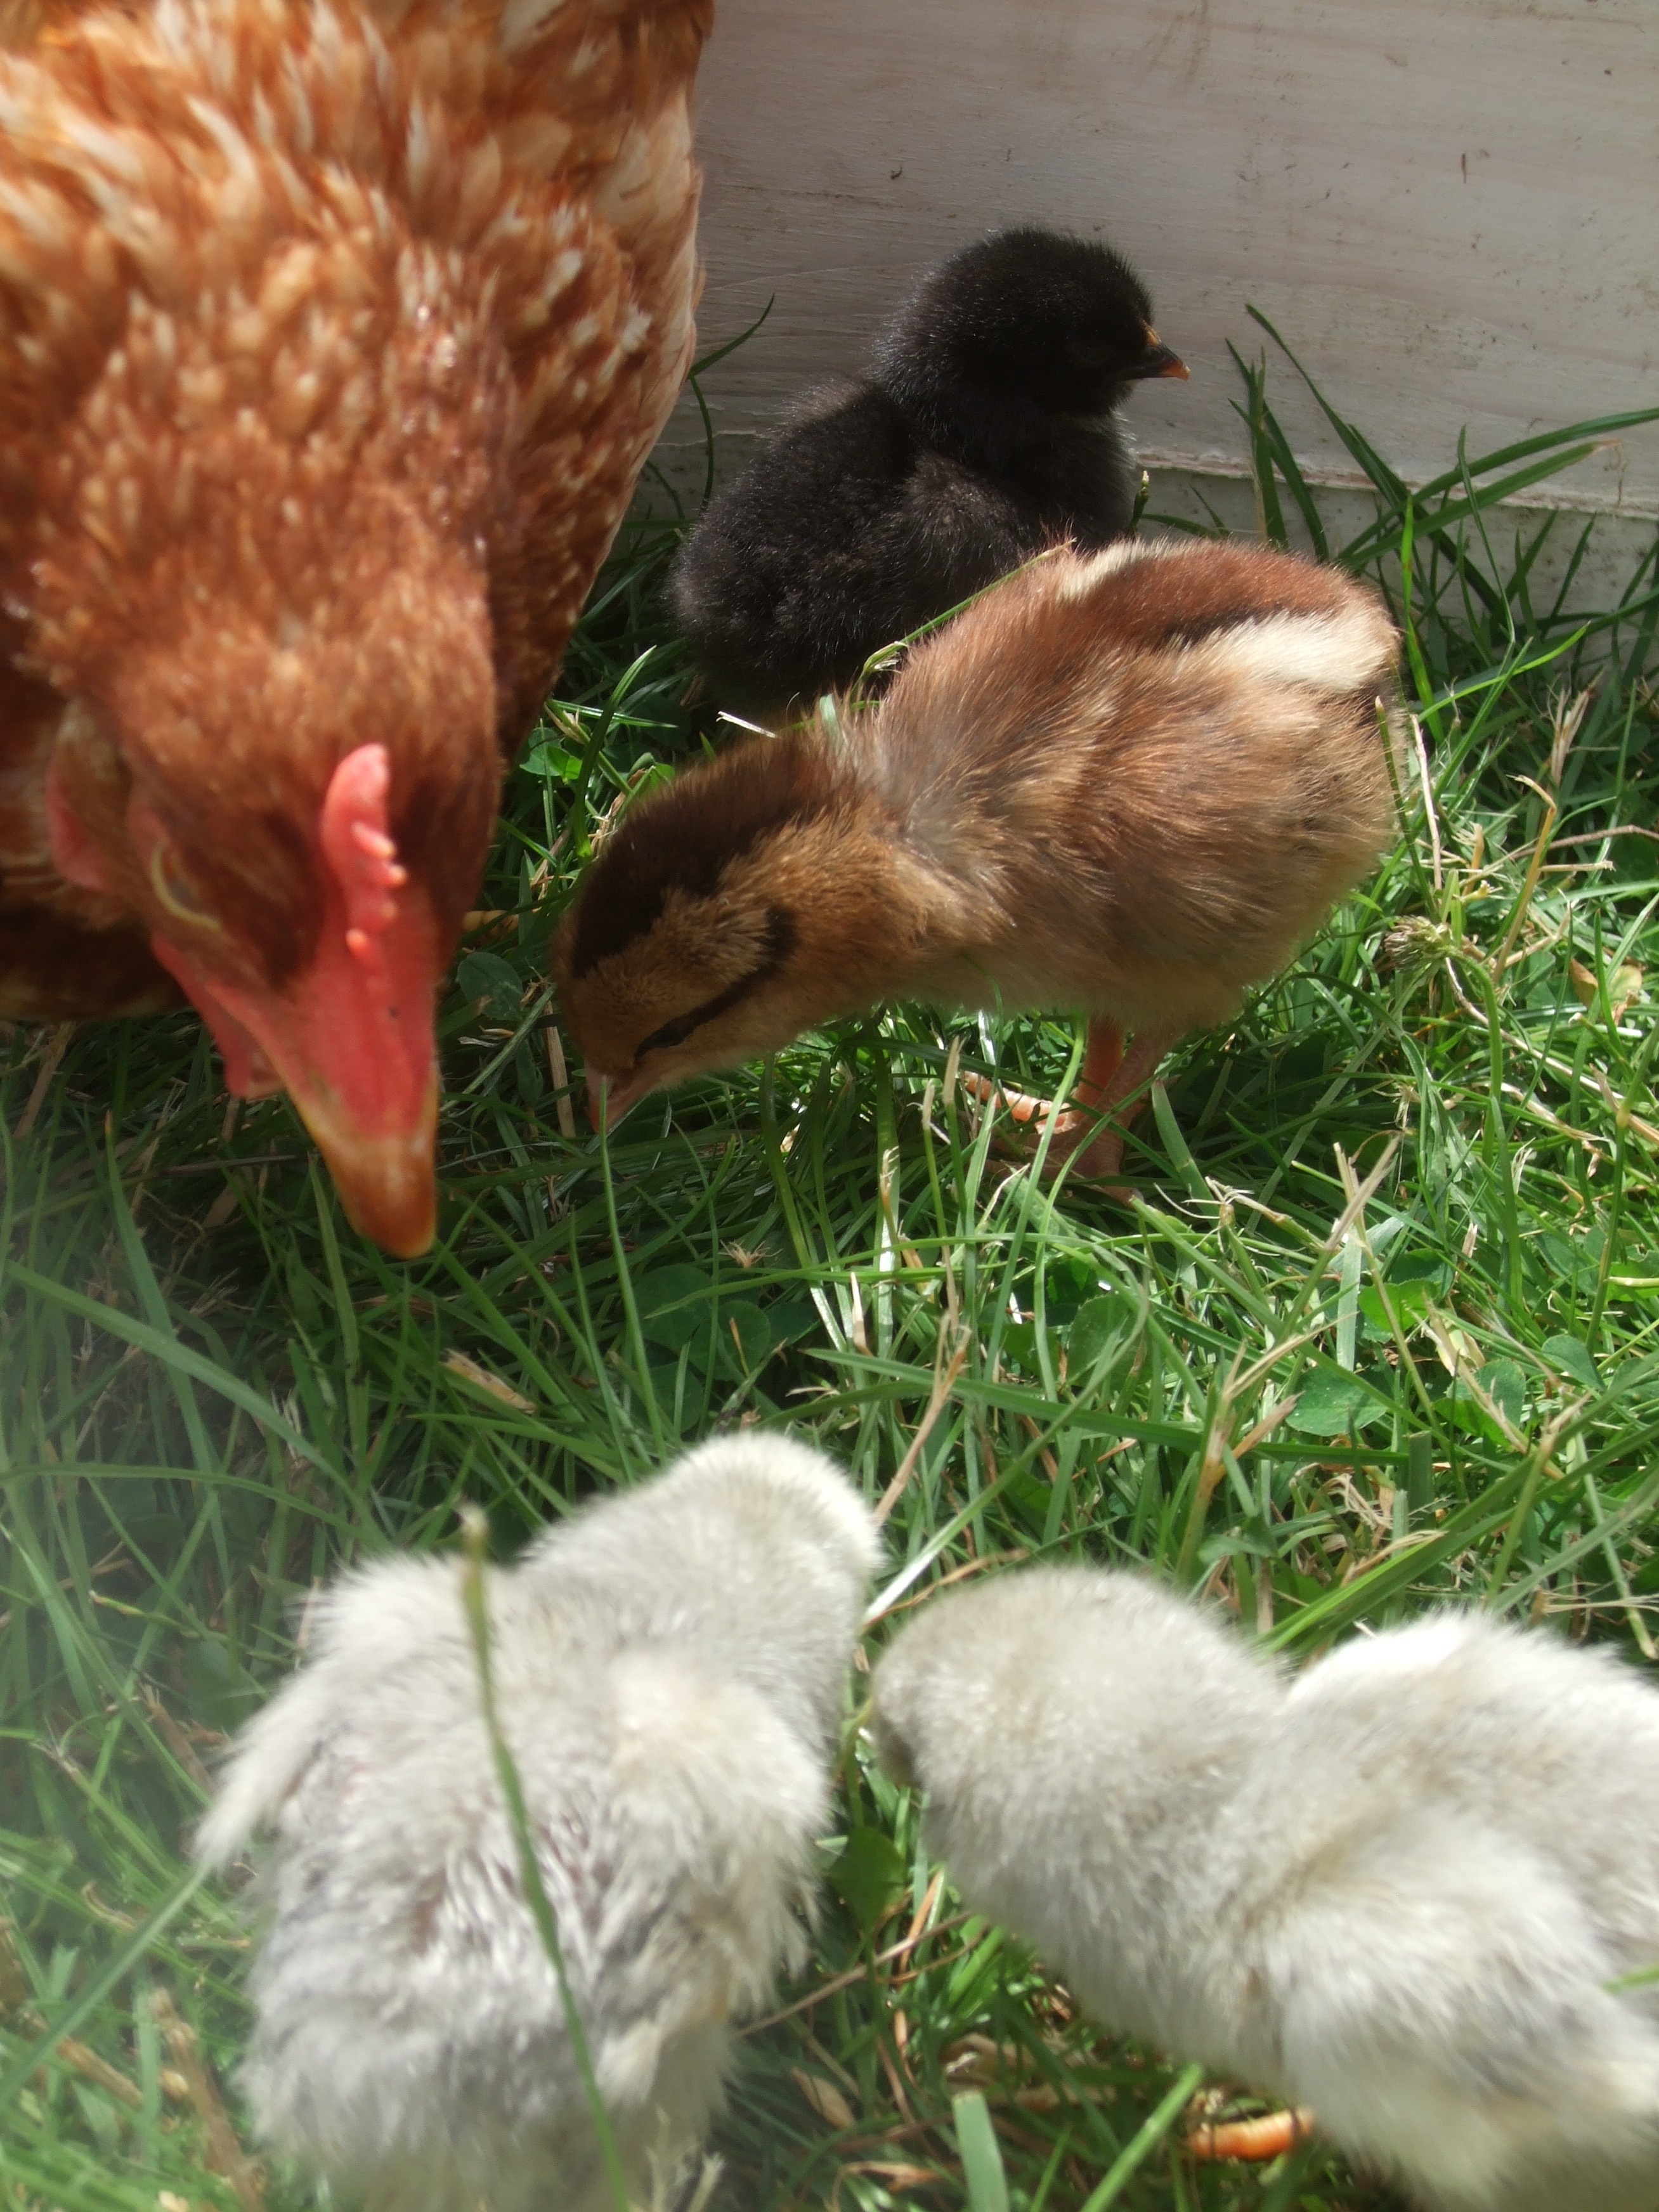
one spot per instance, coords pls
(359, 849)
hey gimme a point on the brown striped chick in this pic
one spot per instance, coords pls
(1133, 783)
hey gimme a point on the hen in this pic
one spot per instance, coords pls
(333, 334)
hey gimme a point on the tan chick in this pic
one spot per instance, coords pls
(1132, 783)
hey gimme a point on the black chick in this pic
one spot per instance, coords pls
(986, 430)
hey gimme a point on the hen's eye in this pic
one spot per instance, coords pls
(674, 1032)
(176, 892)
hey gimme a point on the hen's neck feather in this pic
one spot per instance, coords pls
(312, 310)
(247, 206)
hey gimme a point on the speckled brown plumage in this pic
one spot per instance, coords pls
(1131, 784)
(333, 335)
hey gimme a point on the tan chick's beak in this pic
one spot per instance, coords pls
(608, 1100)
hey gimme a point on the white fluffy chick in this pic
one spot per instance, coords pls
(669, 1667)
(1394, 1889)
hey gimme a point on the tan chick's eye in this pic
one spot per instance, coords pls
(176, 892)
(671, 1033)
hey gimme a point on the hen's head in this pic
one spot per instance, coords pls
(298, 800)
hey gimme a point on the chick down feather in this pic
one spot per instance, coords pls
(669, 1667)
(1400, 1891)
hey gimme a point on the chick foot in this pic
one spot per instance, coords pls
(1107, 1076)
(1256, 2140)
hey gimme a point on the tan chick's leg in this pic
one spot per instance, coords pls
(1101, 1057)
(1107, 1075)
(1128, 1071)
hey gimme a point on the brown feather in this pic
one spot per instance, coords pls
(331, 343)
(55, 969)
(689, 840)
(1132, 784)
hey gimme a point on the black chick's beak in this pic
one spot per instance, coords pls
(1159, 359)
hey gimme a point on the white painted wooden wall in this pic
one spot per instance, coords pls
(1450, 208)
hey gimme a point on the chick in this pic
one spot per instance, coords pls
(1395, 1890)
(986, 430)
(1133, 782)
(669, 1667)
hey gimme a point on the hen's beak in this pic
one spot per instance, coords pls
(358, 1064)
(385, 1177)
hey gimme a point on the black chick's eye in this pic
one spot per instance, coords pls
(674, 1032)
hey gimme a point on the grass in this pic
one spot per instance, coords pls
(1379, 1332)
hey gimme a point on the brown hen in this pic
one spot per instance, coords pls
(333, 335)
